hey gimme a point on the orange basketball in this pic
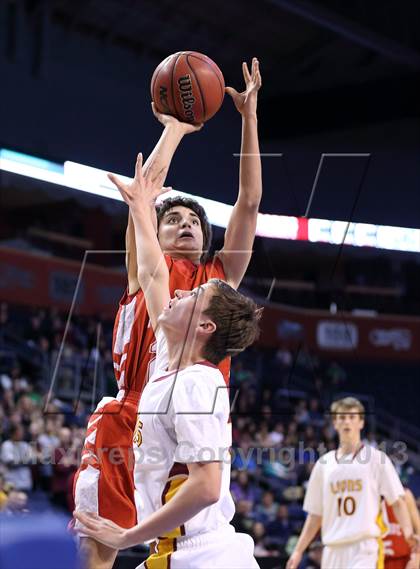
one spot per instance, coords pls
(189, 86)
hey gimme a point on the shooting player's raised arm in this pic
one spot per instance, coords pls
(161, 158)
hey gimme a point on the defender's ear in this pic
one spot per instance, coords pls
(208, 326)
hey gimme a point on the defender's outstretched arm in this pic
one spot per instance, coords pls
(152, 271)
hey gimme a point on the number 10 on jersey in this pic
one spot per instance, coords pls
(346, 506)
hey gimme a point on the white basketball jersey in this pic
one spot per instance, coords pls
(183, 417)
(346, 492)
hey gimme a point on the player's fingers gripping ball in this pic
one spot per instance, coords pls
(188, 85)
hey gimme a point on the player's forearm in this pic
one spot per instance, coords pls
(250, 174)
(130, 256)
(311, 527)
(190, 499)
(403, 517)
(162, 155)
(150, 261)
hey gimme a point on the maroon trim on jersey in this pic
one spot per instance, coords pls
(354, 454)
(177, 469)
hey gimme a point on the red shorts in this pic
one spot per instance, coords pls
(104, 483)
(397, 562)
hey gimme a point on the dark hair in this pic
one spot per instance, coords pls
(169, 203)
(236, 317)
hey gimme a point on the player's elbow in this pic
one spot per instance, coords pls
(250, 204)
(210, 494)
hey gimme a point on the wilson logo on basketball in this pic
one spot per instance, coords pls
(187, 98)
(163, 97)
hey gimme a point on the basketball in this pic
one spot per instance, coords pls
(189, 86)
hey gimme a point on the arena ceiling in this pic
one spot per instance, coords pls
(327, 48)
(328, 66)
(365, 40)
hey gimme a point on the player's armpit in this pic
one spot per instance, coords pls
(239, 240)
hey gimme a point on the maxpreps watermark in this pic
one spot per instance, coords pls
(288, 457)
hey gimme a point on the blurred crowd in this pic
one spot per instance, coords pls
(42, 432)
(278, 432)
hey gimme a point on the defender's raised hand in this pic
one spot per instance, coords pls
(246, 102)
(144, 188)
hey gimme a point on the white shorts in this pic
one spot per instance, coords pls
(362, 554)
(219, 549)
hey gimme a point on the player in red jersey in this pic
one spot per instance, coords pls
(398, 554)
(104, 483)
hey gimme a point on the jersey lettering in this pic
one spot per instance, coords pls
(341, 486)
(346, 506)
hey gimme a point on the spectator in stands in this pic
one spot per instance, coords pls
(258, 534)
(310, 438)
(292, 437)
(17, 455)
(244, 457)
(20, 383)
(276, 436)
(47, 441)
(240, 375)
(27, 408)
(313, 559)
(34, 330)
(16, 503)
(280, 528)
(370, 439)
(3, 493)
(243, 488)
(316, 416)
(302, 414)
(65, 464)
(262, 437)
(267, 510)
(242, 520)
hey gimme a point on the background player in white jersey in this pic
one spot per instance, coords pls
(183, 433)
(343, 497)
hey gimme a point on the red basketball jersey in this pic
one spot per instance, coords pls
(394, 541)
(133, 342)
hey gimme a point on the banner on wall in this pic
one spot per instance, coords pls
(342, 335)
(39, 280)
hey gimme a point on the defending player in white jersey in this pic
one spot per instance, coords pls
(183, 433)
(343, 497)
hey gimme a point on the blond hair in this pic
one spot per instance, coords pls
(346, 404)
